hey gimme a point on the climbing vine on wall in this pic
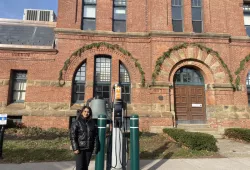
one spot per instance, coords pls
(167, 54)
(238, 71)
(98, 45)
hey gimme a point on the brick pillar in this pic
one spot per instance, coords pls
(187, 16)
(89, 88)
(104, 14)
(115, 71)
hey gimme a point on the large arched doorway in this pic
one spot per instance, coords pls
(189, 96)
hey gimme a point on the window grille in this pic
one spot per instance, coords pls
(89, 15)
(197, 16)
(119, 16)
(102, 77)
(19, 86)
(177, 15)
(79, 84)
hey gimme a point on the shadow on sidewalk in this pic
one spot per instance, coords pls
(156, 154)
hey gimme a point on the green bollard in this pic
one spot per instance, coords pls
(101, 122)
(134, 143)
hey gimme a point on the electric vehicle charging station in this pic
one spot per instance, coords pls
(118, 161)
(3, 122)
(117, 140)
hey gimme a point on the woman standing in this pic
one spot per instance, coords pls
(84, 136)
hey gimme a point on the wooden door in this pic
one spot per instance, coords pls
(190, 103)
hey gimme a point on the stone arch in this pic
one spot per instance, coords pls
(198, 53)
(203, 68)
(242, 72)
(89, 51)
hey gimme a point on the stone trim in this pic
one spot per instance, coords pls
(47, 83)
(31, 49)
(43, 83)
(245, 39)
(161, 84)
(222, 86)
(4, 82)
(142, 34)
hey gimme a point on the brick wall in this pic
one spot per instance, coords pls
(149, 34)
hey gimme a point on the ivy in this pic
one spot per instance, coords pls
(98, 45)
(167, 54)
(238, 71)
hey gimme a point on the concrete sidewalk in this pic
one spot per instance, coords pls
(161, 164)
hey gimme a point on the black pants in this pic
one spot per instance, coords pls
(83, 159)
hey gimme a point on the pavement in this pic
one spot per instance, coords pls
(236, 157)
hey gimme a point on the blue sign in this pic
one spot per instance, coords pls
(3, 119)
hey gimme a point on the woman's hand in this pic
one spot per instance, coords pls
(76, 152)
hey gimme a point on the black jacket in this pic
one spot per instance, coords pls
(83, 134)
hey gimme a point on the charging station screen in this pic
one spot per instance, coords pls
(118, 109)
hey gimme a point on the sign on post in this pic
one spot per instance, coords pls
(3, 119)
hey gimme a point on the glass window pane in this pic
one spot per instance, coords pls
(177, 78)
(196, 14)
(176, 13)
(248, 30)
(120, 2)
(127, 89)
(89, 1)
(89, 11)
(119, 13)
(196, 3)
(81, 97)
(105, 88)
(16, 96)
(177, 25)
(81, 87)
(119, 26)
(247, 18)
(89, 24)
(197, 26)
(176, 2)
(17, 85)
(105, 95)
(24, 86)
(22, 96)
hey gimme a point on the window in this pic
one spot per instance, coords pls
(89, 15)
(119, 16)
(177, 16)
(125, 82)
(248, 87)
(246, 11)
(15, 119)
(196, 16)
(79, 85)
(102, 77)
(188, 76)
(19, 86)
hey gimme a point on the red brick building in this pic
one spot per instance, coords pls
(180, 61)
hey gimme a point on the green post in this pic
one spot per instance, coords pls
(134, 143)
(101, 122)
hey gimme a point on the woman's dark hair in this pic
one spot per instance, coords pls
(90, 111)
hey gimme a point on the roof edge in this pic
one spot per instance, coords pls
(26, 22)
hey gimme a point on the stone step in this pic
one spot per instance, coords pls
(192, 126)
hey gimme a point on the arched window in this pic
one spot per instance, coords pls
(102, 76)
(248, 87)
(79, 84)
(125, 82)
(188, 76)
